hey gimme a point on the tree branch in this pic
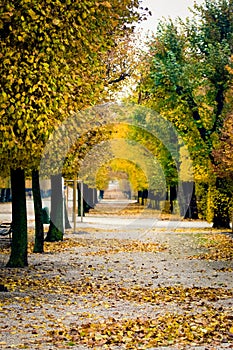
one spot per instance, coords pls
(123, 76)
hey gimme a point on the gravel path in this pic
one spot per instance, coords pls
(28, 313)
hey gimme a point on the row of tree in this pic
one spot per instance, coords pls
(57, 58)
(187, 78)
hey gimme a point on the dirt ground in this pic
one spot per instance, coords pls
(122, 282)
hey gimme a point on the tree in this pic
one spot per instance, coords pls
(223, 151)
(187, 83)
(53, 57)
(39, 228)
(56, 228)
(18, 255)
(93, 145)
(223, 162)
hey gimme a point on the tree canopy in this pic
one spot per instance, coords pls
(55, 59)
(187, 81)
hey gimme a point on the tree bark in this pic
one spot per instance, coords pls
(39, 228)
(173, 197)
(192, 211)
(56, 227)
(81, 207)
(18, 257)
(187, 200)
(67, 222)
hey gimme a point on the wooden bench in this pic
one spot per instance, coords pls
(5, 229)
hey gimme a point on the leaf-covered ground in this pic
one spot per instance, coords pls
(120, 288)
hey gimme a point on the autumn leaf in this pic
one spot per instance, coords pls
(220, 247)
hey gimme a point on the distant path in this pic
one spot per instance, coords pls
(116, 220)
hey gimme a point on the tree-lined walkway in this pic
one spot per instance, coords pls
(125, 277)
(123, 286)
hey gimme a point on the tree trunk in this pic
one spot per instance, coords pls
(222, 198)
(173, 197)
(187, 200)
(56, 227)
(192, 211)
(39, 228)
(81, 205)
(95, 196)
(18, 257)
(67, 222)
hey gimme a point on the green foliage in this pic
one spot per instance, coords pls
(157, 136)
(53, 61)
(188, 81)
(203, 201)
(223, 149)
